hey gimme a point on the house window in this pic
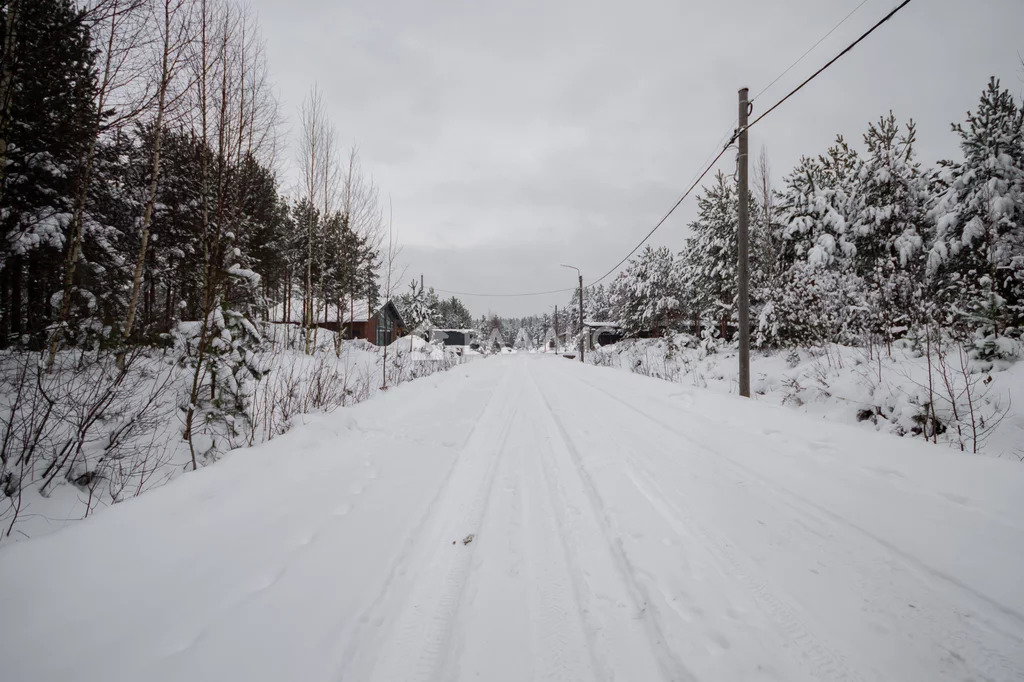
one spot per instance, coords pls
(385, 326)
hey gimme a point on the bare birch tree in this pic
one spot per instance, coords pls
(120, 28)
(234, 118)
(175, 28)
(313, 160)
(363, 219)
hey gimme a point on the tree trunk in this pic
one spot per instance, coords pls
(35, 300)
(169, 307)
(14, 268)
(7, 58)
(5, 306)
(147, 215)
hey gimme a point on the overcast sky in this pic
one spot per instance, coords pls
(515, 135)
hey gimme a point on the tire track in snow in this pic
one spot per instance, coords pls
(995, 665)
(823, 662)
(418, 643)
(741, 468)
(564, 646)
(820, 659)
(519, 618)
(362, 639)
(668, 665)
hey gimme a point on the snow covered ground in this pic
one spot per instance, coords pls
(526, 517)
(884, 391)
(135, 444)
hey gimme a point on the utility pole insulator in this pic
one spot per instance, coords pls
(743, 250)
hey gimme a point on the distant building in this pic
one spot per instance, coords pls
(455, 337)
(602, 333)
(381, 326)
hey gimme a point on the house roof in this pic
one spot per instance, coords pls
(355, 311)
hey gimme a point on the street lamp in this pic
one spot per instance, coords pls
(582, 344)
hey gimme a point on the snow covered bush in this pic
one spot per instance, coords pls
(930, 389)
(96, 421)
(815, 305)
(105, 425)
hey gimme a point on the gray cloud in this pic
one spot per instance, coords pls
(512, 136)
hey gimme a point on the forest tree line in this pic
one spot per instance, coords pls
(858, 247)
(138, 146)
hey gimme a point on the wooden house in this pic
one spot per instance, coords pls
(381, 325)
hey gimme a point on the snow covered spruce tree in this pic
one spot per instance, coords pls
(710, 256)
(817, 206)
(599, 304)
(47, 125)
(889, 229)
(818, 296)
(451, 313)
(416, 308)
(976, 264)
(648, 295)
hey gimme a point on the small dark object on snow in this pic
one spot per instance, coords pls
(468, 539)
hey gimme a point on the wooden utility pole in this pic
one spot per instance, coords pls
(556, 328)
(580, 330)
(742, 237)
(583, 342)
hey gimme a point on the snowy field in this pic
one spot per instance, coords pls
(525, 517)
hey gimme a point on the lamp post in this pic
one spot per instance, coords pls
(582, 343)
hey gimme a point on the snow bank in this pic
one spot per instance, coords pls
(881, 391)
(95, 450)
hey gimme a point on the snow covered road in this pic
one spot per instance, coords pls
(622, 529)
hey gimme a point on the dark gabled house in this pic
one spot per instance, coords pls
(381, 326)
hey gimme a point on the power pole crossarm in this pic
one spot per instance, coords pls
(742, 243)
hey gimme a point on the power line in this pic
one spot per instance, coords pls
(532, 293)
(731, 139)
(809, 50)
(792, 92)
(707, 167)
(695, 182)
(665, 217)
(829, 63)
